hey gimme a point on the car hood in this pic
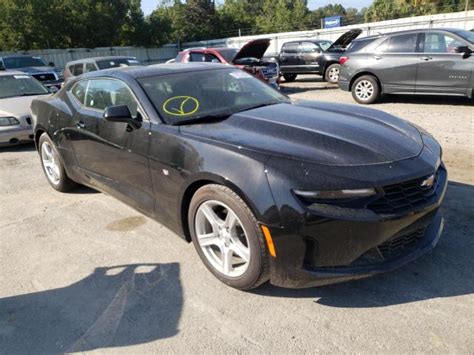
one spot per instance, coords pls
(322, 133)
(16, 106)
(36, 70)
(253, 49)
(345, 39)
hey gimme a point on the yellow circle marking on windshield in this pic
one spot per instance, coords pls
(181, 105)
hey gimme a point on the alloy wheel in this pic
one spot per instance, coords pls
(334, 74)
(222, 238)
(50, 163)
(364, 90)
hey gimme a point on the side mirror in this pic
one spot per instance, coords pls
(463, 49)
(53, 89)
(120, 113)
(51, 64)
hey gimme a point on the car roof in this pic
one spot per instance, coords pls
(308, 40)
(418, 30)
(20, 56)
(94, 59)
(153, 70)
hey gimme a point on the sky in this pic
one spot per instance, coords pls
(149, 5)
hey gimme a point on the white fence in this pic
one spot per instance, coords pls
(461, 20)
(61, 56)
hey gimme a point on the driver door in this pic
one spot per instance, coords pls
(114, 155)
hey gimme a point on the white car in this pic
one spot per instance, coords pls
(17, 90)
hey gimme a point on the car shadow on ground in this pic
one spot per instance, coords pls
(288, 90)
(426, 100)
(113, 307)
(448, 271)
(27, 147)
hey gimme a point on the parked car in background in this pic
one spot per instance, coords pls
(421, 62)
(248, 58)
(314, 57)
(298, 193)
(86, 65)
(17, 90)
(35, 66)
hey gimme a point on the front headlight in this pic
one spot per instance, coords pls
(8, 121)
(335, 195)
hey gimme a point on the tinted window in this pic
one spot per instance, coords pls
(211, 58)
(20, 85)
(440, 43)
(309, 47)
(90, 67)
(228, 54)
(468, 35)
(23, 62)
(325, 45)
(402, 43)
(290, 48)
(196, 57)
(183, 96)
(116, 62)
(102, 93)
(78, 69)
(358, 45)
(79, 91)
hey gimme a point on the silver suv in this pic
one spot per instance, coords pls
(421, 62)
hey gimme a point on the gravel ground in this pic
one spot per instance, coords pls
(81, 271)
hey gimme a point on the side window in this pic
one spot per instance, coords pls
(440, 43)
(402, 43)
(102, 93)
(290, 48)
(78, 69)
(90, 67)
(196, 57)
(309, 47)
(79, 91)
(211, 58)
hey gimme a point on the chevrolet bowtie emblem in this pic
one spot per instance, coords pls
(428, 182)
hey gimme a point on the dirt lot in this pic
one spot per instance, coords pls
(59, 290)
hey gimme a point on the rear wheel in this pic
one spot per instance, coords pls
(332, 73)
(227, 237)
(290, 77)
(52, 166)
(366, 90)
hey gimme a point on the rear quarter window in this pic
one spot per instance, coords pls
(357, 46)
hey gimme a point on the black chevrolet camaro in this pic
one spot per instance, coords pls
(298, 193)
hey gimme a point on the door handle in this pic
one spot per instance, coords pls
(377, 57)
(426, 58)
(80, 125)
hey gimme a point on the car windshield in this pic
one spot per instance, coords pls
(23, 62)
(20, 85)
(228, 54)
(116, 62)
(325, 45)
(466, 35)
(200, 95)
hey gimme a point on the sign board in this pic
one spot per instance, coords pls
(332, 22)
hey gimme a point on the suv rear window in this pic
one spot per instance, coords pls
(356, 46)
(405, 43)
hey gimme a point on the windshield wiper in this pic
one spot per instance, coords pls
(202, 119)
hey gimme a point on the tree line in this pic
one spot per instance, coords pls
(40, 24)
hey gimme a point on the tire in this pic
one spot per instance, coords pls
(52, 165)
(331, 75)
(290, 77)
(244, 236)
(366, 90)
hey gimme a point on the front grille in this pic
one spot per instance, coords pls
(406, 196)
(45, 77)
(402, 245)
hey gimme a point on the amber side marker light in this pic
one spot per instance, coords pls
(268, 238)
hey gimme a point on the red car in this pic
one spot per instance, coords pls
(248, 58)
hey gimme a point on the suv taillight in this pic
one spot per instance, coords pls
(342, 60)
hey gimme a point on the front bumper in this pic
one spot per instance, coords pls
(322, 250)
(15, 135)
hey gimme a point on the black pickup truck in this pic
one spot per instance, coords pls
(314, 57)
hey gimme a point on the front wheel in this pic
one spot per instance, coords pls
(332, 73)
(366, 90)
(227, 237)
(52, 165)
(290, 77)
